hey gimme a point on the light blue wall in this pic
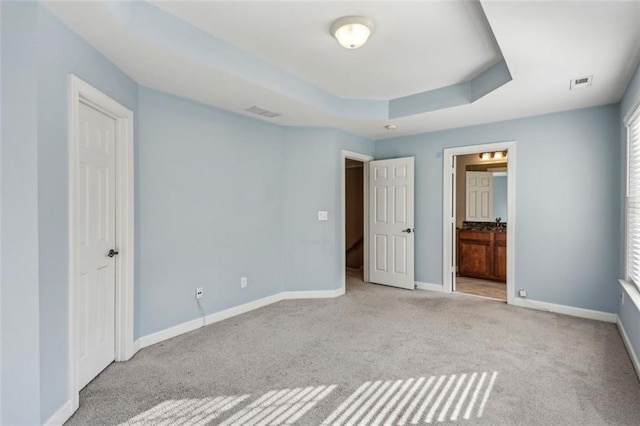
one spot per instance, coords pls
(567, 244)
(629, 311)
(61, 52)
(1, 212)
(19, 218)
(500, 197)
(220, 196)
(210, 202)
(209, 209)
(313, 162)
(309, 187)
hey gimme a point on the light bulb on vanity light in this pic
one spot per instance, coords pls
(501, 155)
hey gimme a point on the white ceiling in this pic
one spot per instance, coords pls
(417, 46)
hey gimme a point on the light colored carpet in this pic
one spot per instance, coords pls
(483, 288)
(377, 355)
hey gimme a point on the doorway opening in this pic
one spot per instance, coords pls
(481, 224)
(479, 220)
(354, 218)
(355, 214)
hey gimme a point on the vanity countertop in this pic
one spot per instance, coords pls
(484, 226)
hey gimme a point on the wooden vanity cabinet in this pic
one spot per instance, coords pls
(500, 256)
(482, 254)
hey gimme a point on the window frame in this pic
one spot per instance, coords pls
(631, 119)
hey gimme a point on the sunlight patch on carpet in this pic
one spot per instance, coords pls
(392, 402)
(414, 401)
(282, 407)
(192, 411)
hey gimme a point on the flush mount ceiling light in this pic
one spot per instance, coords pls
(352, 31)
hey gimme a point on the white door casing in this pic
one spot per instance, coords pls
(122, 237)
(364, 158)
(452, 223)
(449, 213)
(479, 196)
(391, 222)
(95, 236)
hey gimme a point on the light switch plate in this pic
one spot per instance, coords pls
(323, 215)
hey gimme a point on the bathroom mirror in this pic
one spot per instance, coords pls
(499, 186)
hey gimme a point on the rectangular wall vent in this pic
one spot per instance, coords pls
(263, 112)
(581, 83)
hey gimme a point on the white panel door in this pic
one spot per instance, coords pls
(95, 237)
(479, 196)
(391, 240)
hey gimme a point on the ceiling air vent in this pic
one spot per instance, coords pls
(581, 83)
(263, 112)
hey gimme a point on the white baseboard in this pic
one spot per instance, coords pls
(241, 309)
(429, 286)
(627, 343)
(185, 327)
(61, 416)
(136, 347)
(566, 310)
(168, 333)
(321, 294)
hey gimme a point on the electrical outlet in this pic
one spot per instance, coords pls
(243, 282)
(199, 293)
(522, 293)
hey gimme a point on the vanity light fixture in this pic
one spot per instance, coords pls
(352, 31)
(495, 155)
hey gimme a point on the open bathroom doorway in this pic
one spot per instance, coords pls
(479, 217)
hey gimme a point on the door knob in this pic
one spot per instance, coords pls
(112, 253)
(408, 230)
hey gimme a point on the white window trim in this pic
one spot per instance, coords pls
(632, 114)
(81, 92)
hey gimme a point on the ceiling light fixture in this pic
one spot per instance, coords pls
(390, 127)
(352, 31)
(495, 155)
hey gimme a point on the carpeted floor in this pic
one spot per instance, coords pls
(378, 355)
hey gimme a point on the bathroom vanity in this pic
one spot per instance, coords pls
(483, 254)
